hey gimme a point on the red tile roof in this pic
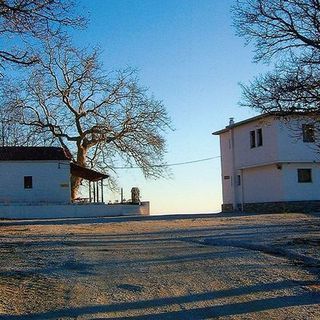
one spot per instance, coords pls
(33, 153)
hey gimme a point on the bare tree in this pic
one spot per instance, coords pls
(286, 32)
(12, 133)
(99, 117)
(30, 19)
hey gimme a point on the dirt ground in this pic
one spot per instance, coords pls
(161, 267)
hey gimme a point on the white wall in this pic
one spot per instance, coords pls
(227, 168)
(290, 144)
(295, 191)
(247, 156)
(263, 184)
(51, 181)
(281, 142)
(243, 155)
(52, 211)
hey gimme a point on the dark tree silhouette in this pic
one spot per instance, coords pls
(99, 117)
(31, 19)
(286, 32)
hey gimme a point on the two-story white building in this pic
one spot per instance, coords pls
(270, 163)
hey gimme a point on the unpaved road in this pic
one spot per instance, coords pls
(188, 267)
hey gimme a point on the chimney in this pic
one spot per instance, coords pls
(231, 121)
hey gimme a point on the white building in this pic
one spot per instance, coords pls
(35, 183)
(34, 175)
(269, 163)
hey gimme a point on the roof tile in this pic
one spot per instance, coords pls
(33, 153)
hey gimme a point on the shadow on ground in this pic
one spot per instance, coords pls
(308, 298)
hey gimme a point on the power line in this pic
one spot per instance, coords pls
(171, 164)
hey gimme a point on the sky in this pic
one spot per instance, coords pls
(189, 57)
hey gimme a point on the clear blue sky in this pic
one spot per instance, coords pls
(188, 55)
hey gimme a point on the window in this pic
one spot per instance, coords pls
(28, 182)
(308, 132)
(239, 180)
(252, 139)
(256, 138)
(259, 138)
(304, 175)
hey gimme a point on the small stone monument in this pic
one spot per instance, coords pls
(135, 195)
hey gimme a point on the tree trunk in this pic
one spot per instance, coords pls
(75, 185)
(76, 181)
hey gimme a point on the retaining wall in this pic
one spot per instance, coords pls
(51, 211)
(272, 207)
(286, 206)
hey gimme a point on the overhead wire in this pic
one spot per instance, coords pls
(170, 164)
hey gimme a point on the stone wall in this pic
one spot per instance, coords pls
(289, 206)
(272, 207)
(227, 207)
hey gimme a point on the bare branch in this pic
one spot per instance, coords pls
(101, 117)
(289, 31)
(33, 19)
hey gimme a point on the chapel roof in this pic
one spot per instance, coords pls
(33, 153)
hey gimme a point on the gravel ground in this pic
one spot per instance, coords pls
(161, 267)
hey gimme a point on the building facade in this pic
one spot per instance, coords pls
(270, 163)
(35, 184)
(42, 175)
(34, 175)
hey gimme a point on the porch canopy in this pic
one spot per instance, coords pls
(93, 177)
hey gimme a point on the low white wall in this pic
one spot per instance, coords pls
(52, 211)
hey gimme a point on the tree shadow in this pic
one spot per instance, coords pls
(307, 298)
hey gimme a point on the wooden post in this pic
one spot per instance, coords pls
(102, 190)
(94, 192)
(97, 191)
(90, 196)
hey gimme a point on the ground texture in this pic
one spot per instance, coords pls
(168, 267)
